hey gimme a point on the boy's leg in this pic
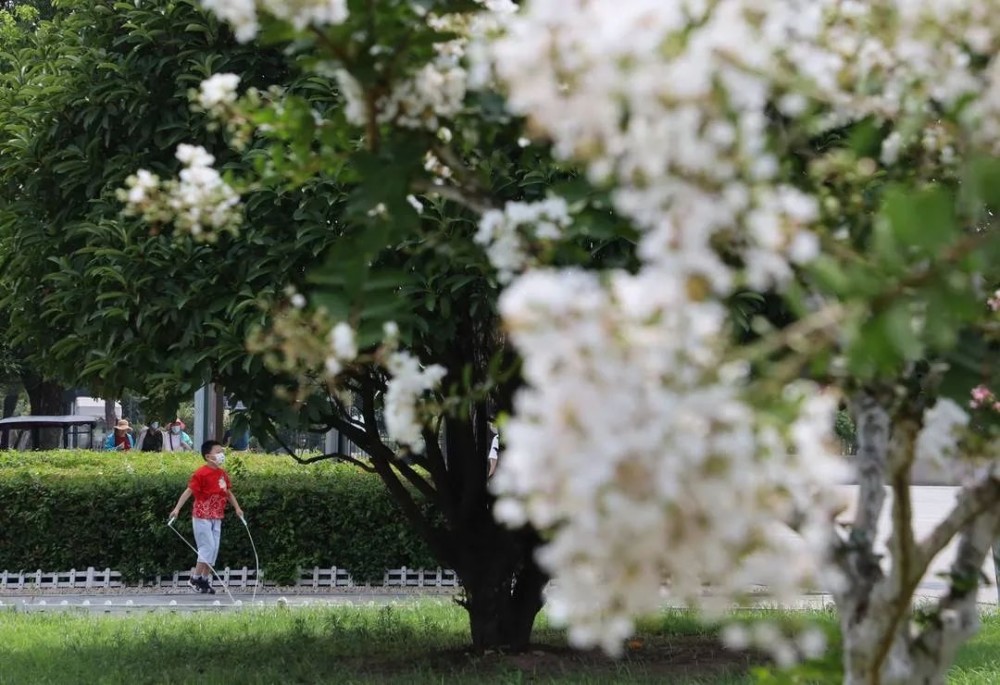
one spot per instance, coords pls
(215, 528)
(205, 541)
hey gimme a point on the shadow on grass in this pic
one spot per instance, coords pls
(326, 647)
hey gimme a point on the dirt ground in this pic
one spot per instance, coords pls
(664, 659)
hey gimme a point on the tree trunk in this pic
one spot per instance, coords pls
(47, 399)
(110, 416)
(882, 644)
(503, 588)
(9, 406)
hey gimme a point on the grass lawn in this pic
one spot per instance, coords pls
(412, 643)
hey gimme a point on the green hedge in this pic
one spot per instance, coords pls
(74, 509)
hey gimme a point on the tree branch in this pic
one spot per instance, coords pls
(418, 481)
(974, 500)
(382, 458)
(335, 455)
(453, 193)
(957, 618)
(873, 447)
(898, 593)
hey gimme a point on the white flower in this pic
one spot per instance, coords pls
(343, 342)
(632, 432)
(219, 89)
(198, 202)
(194, 156)
(242, 14)
(508, 234)
(417, 205)
(407, 384)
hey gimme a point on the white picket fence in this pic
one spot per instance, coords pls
(90, 579)
(317, 578)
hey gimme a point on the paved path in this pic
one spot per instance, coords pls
(126, 602)
(930, 504)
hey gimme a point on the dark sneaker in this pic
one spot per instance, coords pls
(195, 584)
(206, 587)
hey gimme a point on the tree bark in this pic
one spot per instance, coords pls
(110, 416)
(9, 406)
(47, 399)
(881, 646)
(503, 588)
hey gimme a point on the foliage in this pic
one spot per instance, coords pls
(100, 89)
(323, 515)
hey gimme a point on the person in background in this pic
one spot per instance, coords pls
(240, 443)
(151, 438)
(495, 448)
(120, 439)
(176, 439)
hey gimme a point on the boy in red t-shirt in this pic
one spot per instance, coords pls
(211, 489)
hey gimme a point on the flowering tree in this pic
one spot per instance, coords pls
(839, 155)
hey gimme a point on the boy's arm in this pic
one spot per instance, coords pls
(180, 503)
(236, 504)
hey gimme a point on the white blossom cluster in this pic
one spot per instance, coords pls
(218, 91)
(509, 234)
(199, 201)
(242, 15)
(786, 650)
(634, 446)
(435, 91)
(343, 348)
(643, 458)
(409, 382)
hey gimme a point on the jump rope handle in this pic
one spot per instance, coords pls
(171, 520)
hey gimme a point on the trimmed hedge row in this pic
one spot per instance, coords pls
(74, 509)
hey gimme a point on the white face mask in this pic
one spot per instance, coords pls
(220, 458)
(175, 430)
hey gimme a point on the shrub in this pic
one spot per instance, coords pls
(74, 509)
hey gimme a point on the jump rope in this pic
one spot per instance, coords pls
(256, 561)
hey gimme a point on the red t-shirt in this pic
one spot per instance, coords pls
(211, 490)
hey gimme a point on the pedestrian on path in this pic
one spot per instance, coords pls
(151, 438)
(176, 439)
(211, 488)
(120, 439)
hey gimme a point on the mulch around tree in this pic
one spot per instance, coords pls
(659, 658)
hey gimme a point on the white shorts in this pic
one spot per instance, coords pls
(207, 533)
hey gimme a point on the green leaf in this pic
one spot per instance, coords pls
(922, 219)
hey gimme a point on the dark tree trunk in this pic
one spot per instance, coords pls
(47, 399)
(110, 416)
(503, 586)
(502, 581)
(9, 405)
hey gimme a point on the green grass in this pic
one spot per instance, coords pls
(979, 661)
(414, 643)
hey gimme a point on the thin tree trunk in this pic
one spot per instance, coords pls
(110, 415)
(47, 399)
(876, 614)
(9, 407)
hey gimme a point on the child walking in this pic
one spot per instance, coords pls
(211, 489)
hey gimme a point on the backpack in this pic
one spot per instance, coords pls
(153, 441)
